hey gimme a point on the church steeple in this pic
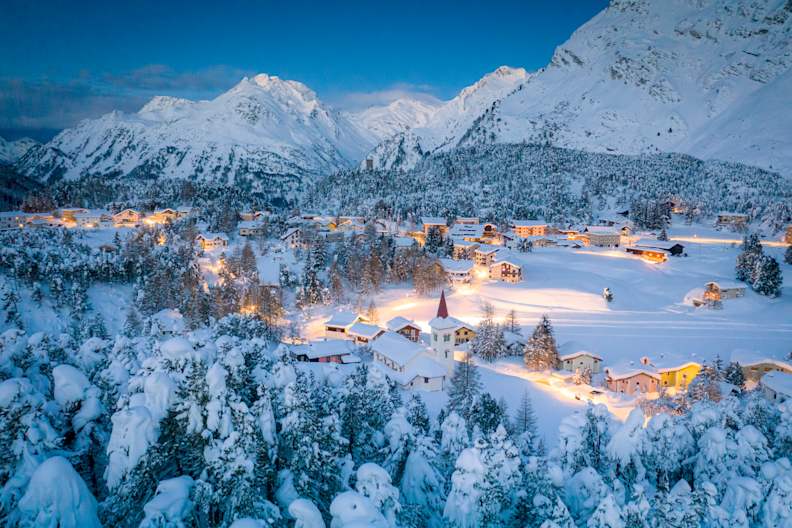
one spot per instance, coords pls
(442, 309)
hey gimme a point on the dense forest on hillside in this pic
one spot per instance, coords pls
(500, 182)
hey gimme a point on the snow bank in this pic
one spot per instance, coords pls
(171, 504)
(306, 514)
(57, 496)
(177, 348)
(353, 510)
(70, 385)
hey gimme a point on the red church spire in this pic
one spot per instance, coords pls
(442, 309)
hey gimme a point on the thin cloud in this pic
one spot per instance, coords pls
(352, 101)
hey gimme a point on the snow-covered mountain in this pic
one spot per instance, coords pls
(262, 126)
(400, 115)
(448, 122)
(10, 151)
(709, 78)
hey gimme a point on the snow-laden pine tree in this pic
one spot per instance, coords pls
(541, 351)
(525, 430)
(766, 278)
(465, 387)
(746, 260)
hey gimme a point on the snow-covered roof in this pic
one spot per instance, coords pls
(249, 224)
(366, 330)
(11, 214)
(507, 257)
(467, 230)
(399, 322)
(401, 241)
(396, 347)
(456, 266)
(731, 213)
(528, 223)
(461, 242)
(433, 220)
(444, 323)
(652, 244)
(673, 367)
(289, 232)
(579, 353)
(466, 220)
(616, 373)
(485, 250)
(728, 285)
(779, 382)
(321, 349)
(749, 358)
(212, 236)
(602, 230)
(342, 319)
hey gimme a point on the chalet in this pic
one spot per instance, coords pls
(466, 220)
(12, 219)
(332, 351)
(485, 255)
(756, 369)
(788, 235)
(463, 249)
(250, 228)
(338, 325)
(127, 218)
(716, 292)
(463, 332)
(505, 269)
(457, 271)
(247, 216)
(161, 216)
(601, 236)
(633, 380)
(363, 333)
(430, 222)
(650, 254)
(209, 241)
(777, 386)
(733, 220)
(581, 361)
(292, 237)
(526, 228)
(410, 364)
(405, 327)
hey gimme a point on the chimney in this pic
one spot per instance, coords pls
(442, 309)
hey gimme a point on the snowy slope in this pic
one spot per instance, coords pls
(264, 125)
(449, 123)
(398, 116)
(10, 151)
(710, 78)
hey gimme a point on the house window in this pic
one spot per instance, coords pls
(435, 337)
(426, 380)
(446, 354)
(447, 338)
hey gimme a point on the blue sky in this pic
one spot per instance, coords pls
(66, 60)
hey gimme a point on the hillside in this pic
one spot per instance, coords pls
(707, 78)
(507, 181)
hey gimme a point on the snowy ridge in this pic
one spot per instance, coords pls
(10, 151)
(398, 116)
(706, 78)
(262, 126)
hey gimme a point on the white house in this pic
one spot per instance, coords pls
(363, 333)
(581, 361)
(211, 240)
(485, 255)
(292, 237)
(408, 363)
(127, 218)
(457, 271)
(505, 268)
(602, 236)
(777, 386)
(250, 228)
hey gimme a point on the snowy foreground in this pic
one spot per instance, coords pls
(117, 410)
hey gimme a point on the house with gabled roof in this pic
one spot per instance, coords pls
(407, 328)
(505, 267)
(325, 351)
(339, 324)
(437, 222)
(410, 364)
(526, 228)
(363, 333)
(209, 241)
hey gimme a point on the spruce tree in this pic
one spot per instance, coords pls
(746, 260)
(767, 278)
(541, 351)
(788, 255)
(733, 373)
(465, 387)
(486, 414)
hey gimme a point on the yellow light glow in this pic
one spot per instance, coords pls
(248, 309)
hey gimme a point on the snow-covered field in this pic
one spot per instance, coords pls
(648, 316)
